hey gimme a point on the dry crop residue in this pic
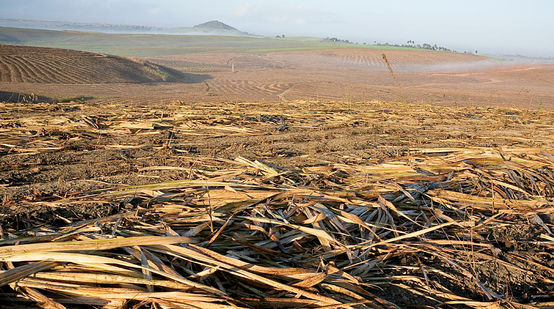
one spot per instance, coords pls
(297, 204)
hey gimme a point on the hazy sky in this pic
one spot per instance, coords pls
(490, 26)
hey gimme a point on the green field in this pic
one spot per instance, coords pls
(144, 45)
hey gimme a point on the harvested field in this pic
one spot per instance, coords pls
(423, 77)
(297, 204)
(23, 64)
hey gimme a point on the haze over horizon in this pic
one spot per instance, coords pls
(491, 27)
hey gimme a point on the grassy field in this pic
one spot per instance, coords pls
(144, 45)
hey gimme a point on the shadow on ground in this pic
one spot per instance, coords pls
(16, 97)
(173, 75)
(190, 78)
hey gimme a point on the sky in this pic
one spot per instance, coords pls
(503, 27)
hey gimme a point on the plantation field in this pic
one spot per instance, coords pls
(235, 172)
(21, 64)
(223, 69)
(347, 75)
(297, 204)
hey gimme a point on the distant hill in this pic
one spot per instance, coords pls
(215, 25)
(24, 64)
(211, 27)
(148, 45)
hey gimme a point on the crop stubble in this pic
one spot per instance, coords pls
(297, 204)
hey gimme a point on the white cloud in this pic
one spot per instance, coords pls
(154, 11)
(282, 19)
(300, 21)
(277, 19)
(245, 9)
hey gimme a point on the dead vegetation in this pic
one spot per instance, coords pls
(380, 205)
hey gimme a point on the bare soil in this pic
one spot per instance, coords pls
(23, 64)
(55, 159)
(293, 134)
(321, 117)
(348, 75)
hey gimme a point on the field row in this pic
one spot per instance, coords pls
(19, 64)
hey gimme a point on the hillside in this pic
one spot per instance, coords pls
(143, 45)
(52, 65)
(215, 25)
(212, 27)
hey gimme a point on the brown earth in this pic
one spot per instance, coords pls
(341, 75)
(60, 162)
(22, 64)
(50, 147)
